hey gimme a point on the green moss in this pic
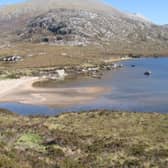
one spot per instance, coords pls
(30, 140)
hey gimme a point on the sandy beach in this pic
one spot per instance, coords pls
(22, 91)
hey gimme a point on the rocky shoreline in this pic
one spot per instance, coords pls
(61, 72)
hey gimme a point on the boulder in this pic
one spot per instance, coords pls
(147, 73)
(61, 73)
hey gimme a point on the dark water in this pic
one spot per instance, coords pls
(131, 90)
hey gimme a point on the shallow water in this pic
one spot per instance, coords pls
(131, 90)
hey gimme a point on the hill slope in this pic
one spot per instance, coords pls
(81, 22)
(84, 140)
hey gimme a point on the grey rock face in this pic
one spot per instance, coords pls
(80, 22)
(62, 26)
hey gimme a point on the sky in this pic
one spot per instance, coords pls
(4, 2)
(154, 10)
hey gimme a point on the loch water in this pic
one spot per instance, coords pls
(129, 90)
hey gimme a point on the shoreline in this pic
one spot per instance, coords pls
(22, 91)
(76, 69)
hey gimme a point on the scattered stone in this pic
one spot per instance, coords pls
(61, 73)
(64, 54)
(120, 65)
(125, 58)
(115, 66)
(148, 73)
(93, 69)
(30, 55)
(45, 40)
(11, 59)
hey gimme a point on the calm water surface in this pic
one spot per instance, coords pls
(130, 90)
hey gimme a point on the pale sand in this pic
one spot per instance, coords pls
(117, 59)
(21, 91)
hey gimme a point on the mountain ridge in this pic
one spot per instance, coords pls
(41, 5)
(79, 22)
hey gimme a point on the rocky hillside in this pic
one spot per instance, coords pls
(79, 22)
(83, 27)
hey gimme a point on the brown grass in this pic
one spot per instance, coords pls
(44, 55)
(82, 140)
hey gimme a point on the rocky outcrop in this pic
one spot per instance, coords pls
(62, 26)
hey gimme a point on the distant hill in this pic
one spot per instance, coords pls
(80, 22)
(166, 25)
